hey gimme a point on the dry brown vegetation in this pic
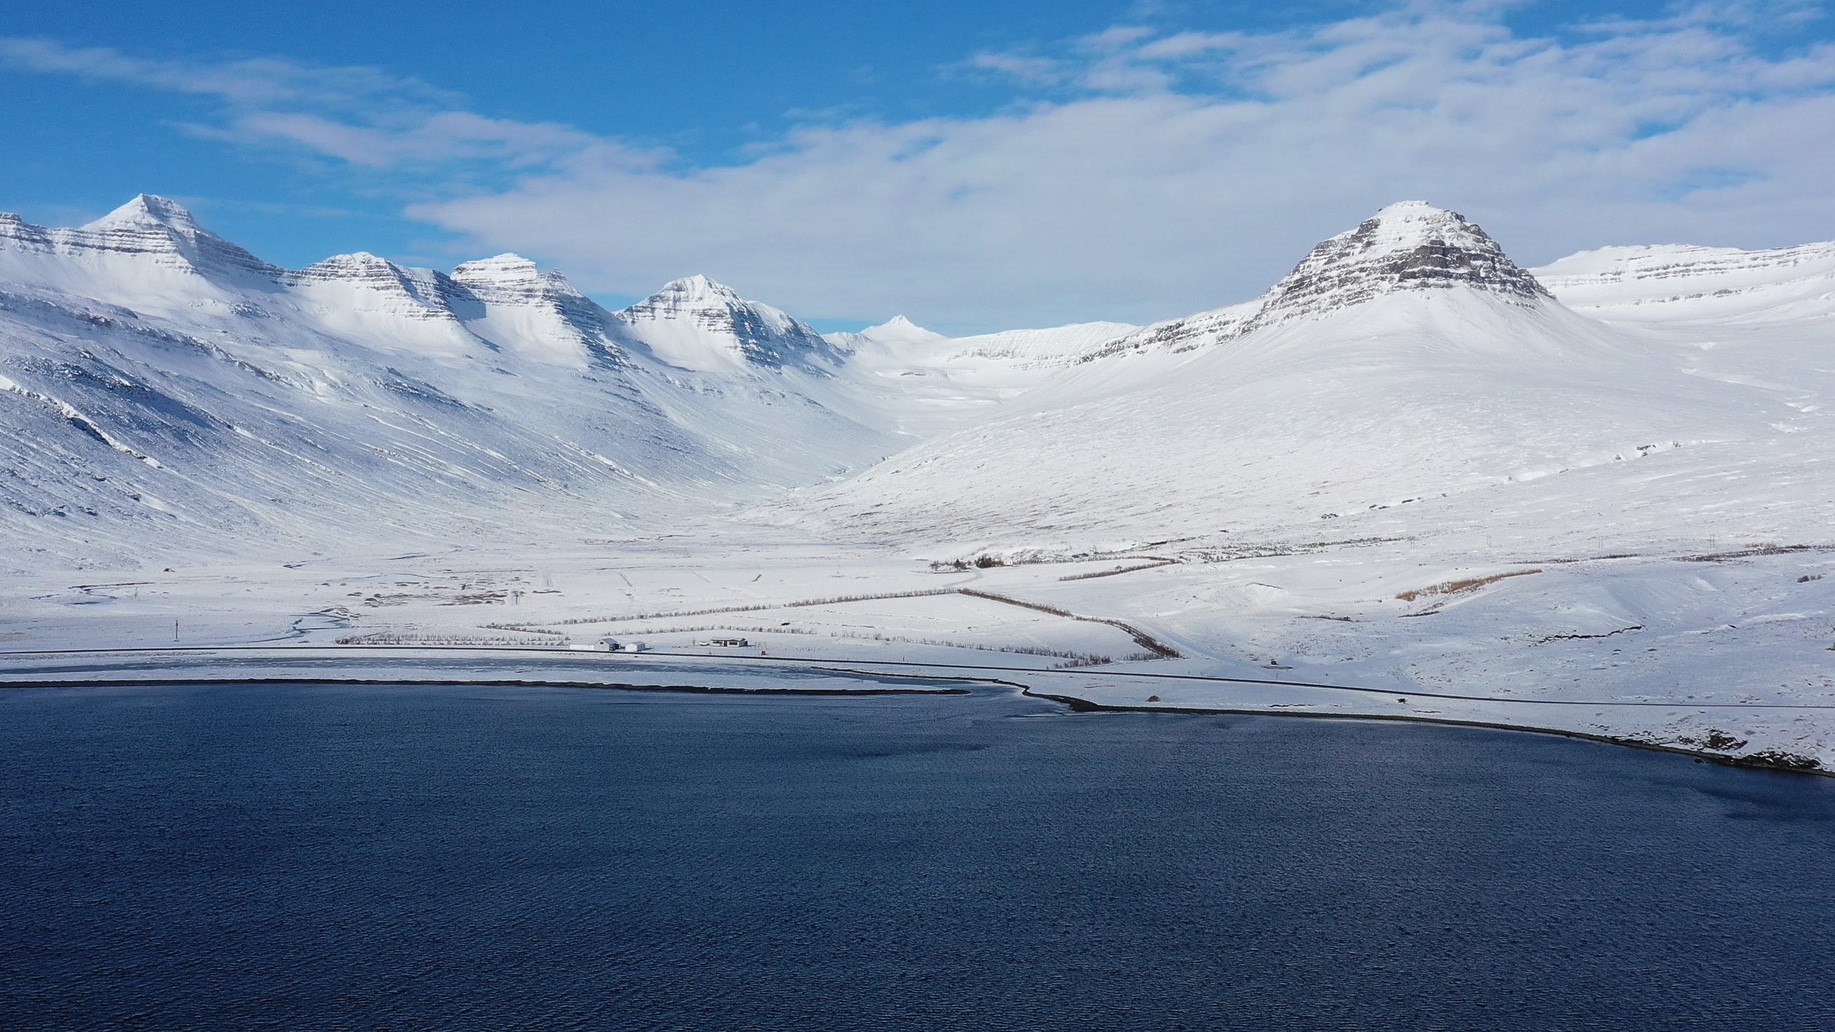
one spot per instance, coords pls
(1454, 587)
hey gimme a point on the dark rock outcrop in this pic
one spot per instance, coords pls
(1408, 246)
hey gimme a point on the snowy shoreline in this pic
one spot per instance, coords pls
(762, 676)
(1747, 762)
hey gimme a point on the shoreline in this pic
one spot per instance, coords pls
(856, 670)
(413, 681)
(1081, 705)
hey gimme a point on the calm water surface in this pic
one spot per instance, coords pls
(450, 857)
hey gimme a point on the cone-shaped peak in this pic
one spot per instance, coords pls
(899, 328)
(1411, 245)
(697, 323)
(160, 230)
(149, 209)
(697, 288)
(702, 298)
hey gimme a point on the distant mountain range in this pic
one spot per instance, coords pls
(165, 392)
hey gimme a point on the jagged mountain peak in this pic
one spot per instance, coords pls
(515, 287)
(698, 323)
(148, 229)
(414, 292)
(1410, 245)
(149, 209)
(895, 333)
(699, 294)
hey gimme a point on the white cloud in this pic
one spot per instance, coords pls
(429, 138)
(1138, 174)
(245, 83)
(361, 116)
(1145, 200)
(1028, 69)
(1184, 45)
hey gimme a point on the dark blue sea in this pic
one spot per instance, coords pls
(461, 857)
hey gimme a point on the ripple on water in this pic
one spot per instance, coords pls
(262, 856)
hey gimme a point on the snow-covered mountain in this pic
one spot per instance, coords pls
(1408, 361)
(162, 384)
(1709, 283)
(1613, 502)
(166, 391)
(1410, 244)
(699, 324)
(1407, 247)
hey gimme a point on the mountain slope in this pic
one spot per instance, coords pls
(1676, 282)
(232, 406)
(698, 324)
(165, 388)
(1408, 359)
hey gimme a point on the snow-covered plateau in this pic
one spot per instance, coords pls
(1411, 481)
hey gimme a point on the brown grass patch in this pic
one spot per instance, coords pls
(1454, 587)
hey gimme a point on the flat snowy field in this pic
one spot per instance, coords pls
(1726, 653)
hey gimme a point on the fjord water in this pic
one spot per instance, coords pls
(441, 857)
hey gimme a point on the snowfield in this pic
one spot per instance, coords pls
(1413, 481)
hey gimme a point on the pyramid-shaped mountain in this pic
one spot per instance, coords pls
(147, 227)
(698, 323)
(1407, 246)
(1407, 357)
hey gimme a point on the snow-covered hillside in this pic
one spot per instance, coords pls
(167, 392)
(1666, 283)
(1407, 362)
(924, 383)
(1414, 476)
(696, 323)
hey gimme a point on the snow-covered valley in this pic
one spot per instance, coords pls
(1413, 480)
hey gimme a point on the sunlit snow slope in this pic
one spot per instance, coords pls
(163, 391)
(1407, 378)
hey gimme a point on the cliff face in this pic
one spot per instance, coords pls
(1407, 246)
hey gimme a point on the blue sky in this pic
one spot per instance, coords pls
(973, 166)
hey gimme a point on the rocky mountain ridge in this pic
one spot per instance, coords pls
(695, 309)
(700, 323)
(145, 226)
(159, 376)
(1668, 280)
(1407, 246)
(165, 391)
